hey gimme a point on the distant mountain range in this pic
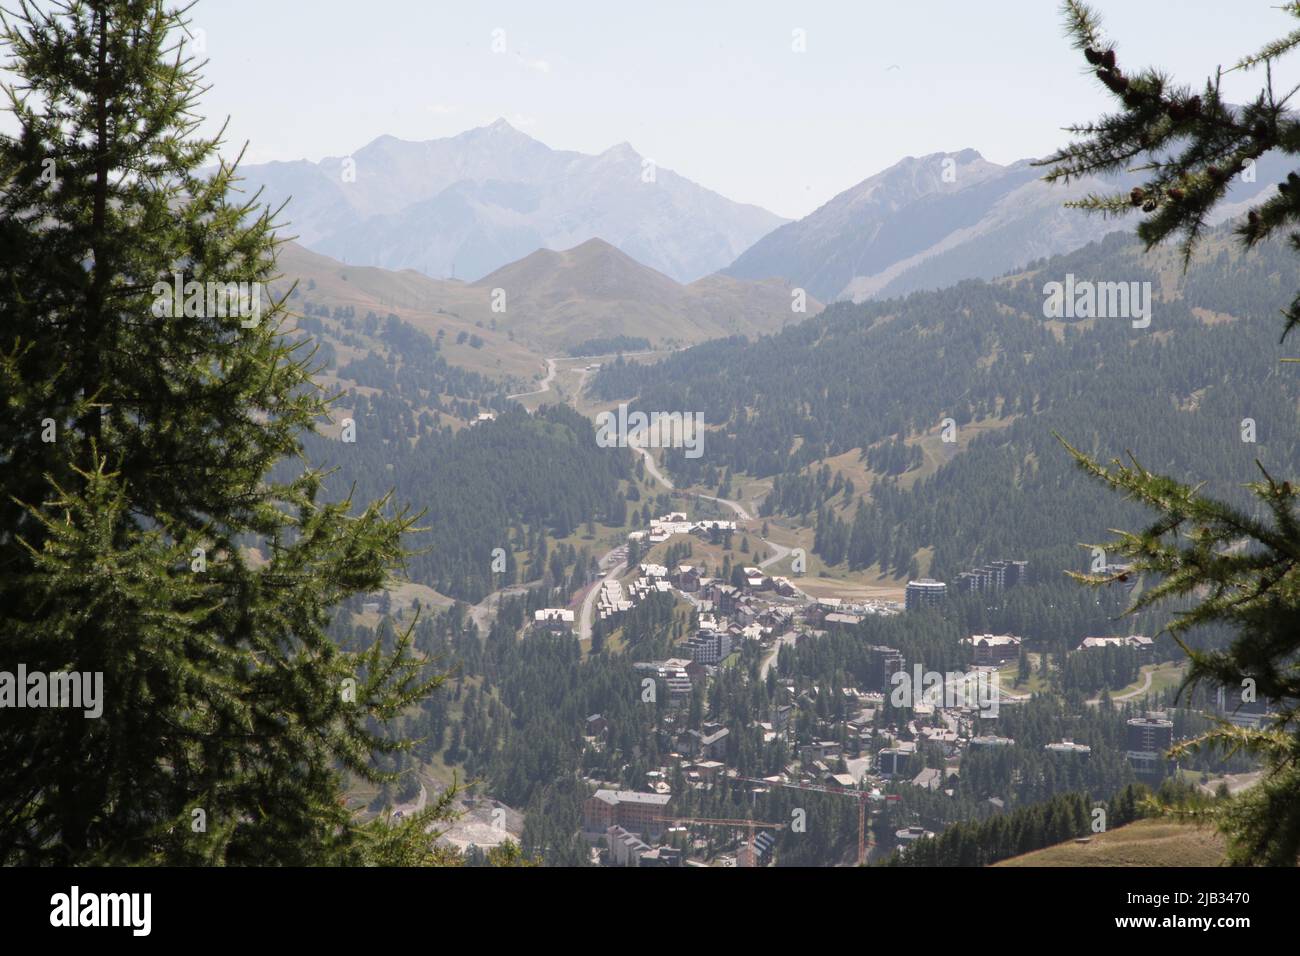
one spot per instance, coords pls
(468, 204)
(929, 222)
(490, 198)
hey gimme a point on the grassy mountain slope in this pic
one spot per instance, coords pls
(595, 290)
(1160, 843)
(430, 305)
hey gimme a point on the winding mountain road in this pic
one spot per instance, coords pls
(551, 369)
(787, 639)
(650, 464)
(482, 612)
(735, 506)
(1146, 686)
(779, 551)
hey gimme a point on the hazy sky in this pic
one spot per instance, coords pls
(712, 90)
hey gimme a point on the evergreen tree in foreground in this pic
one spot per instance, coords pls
(1238, 568)
(140, 537)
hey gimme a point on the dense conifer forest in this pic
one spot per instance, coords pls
(982, 355)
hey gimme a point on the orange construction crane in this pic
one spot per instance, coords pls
(751, 825)
(862, 795)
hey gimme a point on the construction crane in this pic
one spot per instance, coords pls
(862, 795)
(750, 825)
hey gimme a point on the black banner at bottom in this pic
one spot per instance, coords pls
(546, 906)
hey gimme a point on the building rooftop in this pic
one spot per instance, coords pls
(545, 614)
(614, 797)
(991, 639)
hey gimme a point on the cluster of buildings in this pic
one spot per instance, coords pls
(993, 578)
(994, 650)
(628, 849)
(615, 599)
(674, 678)
(1145, 646)
(863, 749)
(742, 607)
(730, 614)
(676, 522)
(859, 749)
(612, 600)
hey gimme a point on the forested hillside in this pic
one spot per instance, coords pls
(879, 380)
(501, 484)
(506, 482)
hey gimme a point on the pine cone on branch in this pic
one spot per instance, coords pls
(1113, 80)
